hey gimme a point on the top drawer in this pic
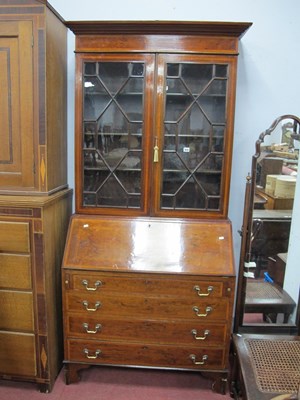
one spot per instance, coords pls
(148, 284)
(14, 237)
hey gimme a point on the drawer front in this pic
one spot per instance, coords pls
(151, 307)
(14, 237)
(16, 311)
(17, 354)
(145, 355)
(148, 285)
(15, 271)
(149, 331)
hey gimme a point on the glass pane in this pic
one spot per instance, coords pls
(186, 195)
(133, 85)
(173, 182)
(221, 71)
(195, 126)
(173, 70)
(217, 87)
(131, 181)
(213, 106)
(212, 163)
(113, 134)
(89, 199)
(176, 86)
(217, 138)
(131, 106)
(209, 183)
(95, 178)
(176, 106)
(137, 69)
(114, 75)
(132, 160)
(171, 133)
(112, 193)
(196, 76)
(90, 68)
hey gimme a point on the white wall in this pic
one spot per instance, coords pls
(268, 74)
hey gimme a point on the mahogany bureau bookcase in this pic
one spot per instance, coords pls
(35, 202)
(148, 274)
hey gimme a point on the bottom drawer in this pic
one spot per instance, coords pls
(137, 354)
(17, 354)
(150, 331)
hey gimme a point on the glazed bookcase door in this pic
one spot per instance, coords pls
(195, 101)
(113, 131)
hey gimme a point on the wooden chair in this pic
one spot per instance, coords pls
(268, 299)
(265, 367)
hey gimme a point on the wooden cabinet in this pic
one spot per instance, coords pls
(148, 293)
(154, 117)
(35, 202)
(33, 43)
(272, 202)
(148, 276)
(32, 237)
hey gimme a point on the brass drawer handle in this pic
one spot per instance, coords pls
(204, 359)
(96, 285)
(205, 334)
(86, 327)
(198, 290)
(86, 305)
(96, 354)
(207, 311)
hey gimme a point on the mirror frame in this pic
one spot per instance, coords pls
(245, 251)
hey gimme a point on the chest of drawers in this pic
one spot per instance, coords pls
(32, 235)
(148, 293)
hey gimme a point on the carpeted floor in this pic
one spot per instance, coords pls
(103, 383)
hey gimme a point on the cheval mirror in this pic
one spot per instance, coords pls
(266, 338)
(269, 278)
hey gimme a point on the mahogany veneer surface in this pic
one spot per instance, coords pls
(152, 245)
(148, 292)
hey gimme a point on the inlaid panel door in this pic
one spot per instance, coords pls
(16, 105)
